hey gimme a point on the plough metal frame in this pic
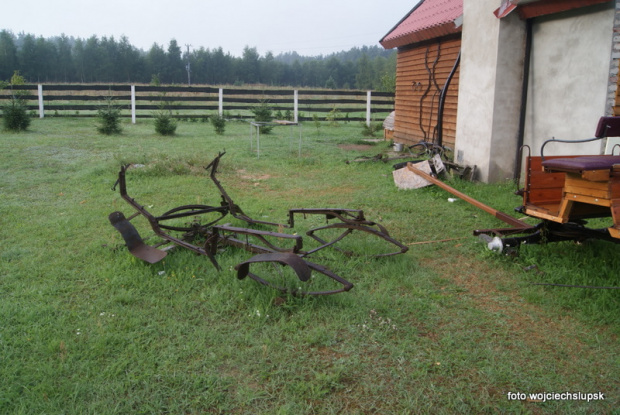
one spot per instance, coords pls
(215, 236)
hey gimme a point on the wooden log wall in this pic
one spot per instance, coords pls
(421, 73)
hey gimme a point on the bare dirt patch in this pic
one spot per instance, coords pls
(243, 174)
(356, 147)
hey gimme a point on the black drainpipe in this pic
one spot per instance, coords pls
(524, 88)
(442, 100)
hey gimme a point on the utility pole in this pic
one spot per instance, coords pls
(189, 71)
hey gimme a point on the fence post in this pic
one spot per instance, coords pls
(133, 104)
(296, 105)
(368, 99)
(221, 102)
(41, 109)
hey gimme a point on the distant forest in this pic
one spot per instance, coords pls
(106, 59)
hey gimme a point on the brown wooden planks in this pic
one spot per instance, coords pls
(418, 95)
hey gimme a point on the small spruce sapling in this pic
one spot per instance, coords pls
(109, 118)
(15, 116)
(219, 123)
(263, 113)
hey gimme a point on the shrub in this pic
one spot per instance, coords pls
(369, 131)
(219, 123)
(15, 115)
(263, 113)
(317, 123)
(164, 123)
(109, 118)
(333, 116)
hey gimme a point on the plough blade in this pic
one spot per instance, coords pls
(134, 241)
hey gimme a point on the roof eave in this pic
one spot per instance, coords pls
(401, 20)
(433, 32)
(528, 9)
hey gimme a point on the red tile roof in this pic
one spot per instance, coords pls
(429, 19)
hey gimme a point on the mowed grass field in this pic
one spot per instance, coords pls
(448, 327)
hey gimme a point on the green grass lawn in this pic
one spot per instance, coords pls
(446, 328)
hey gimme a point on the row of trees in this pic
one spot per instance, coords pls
(105, 59)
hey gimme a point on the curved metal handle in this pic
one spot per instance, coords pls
(542, 148)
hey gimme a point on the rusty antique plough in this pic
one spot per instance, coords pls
(205, 237)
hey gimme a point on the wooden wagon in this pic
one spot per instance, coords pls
(563, 192)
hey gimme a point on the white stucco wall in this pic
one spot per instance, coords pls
(569, 74)
(568, 85)
(507, 105)
(489, 90)
(477, 81)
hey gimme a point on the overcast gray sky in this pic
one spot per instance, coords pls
(309, 27)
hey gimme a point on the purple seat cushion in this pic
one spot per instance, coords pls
(608, 127)
(575, 164)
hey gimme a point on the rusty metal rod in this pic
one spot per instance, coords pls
(438, 240)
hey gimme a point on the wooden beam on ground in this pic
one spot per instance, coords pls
(499, 215)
